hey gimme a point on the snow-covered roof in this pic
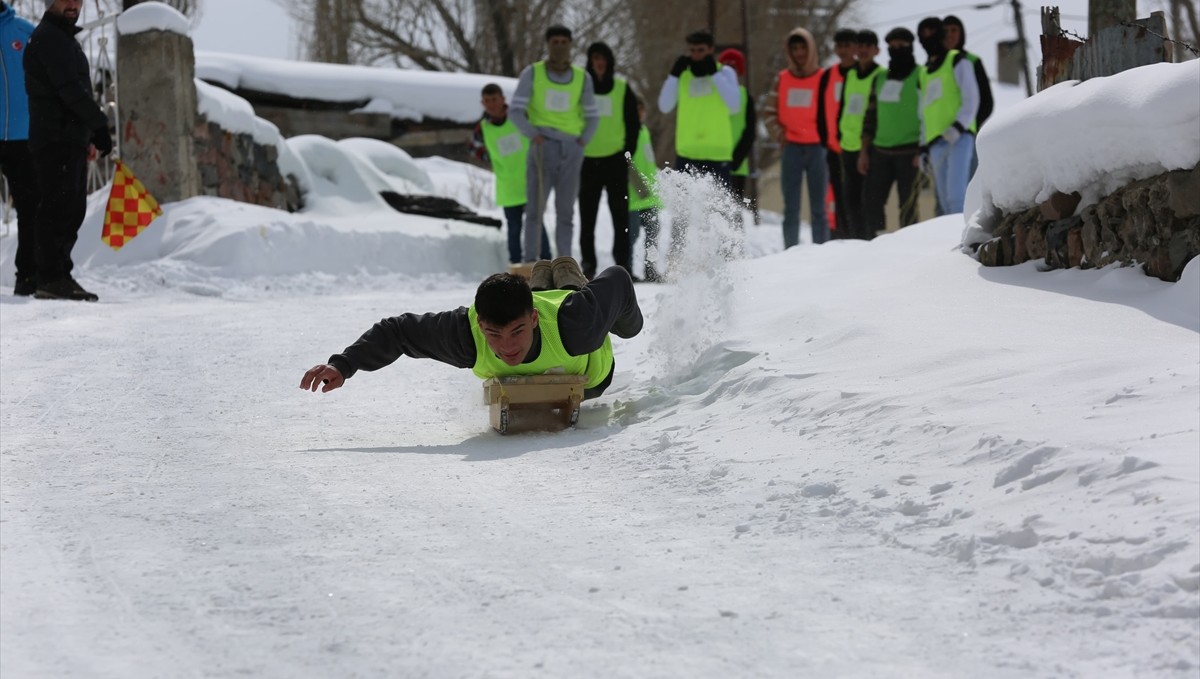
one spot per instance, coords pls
(406, 95)
(152, 16)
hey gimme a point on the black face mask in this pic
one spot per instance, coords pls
(934, 45)
(705, 67)
(901, 59)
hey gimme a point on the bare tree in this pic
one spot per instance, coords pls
(476, 36)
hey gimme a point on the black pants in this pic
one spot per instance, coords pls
(853, 220)
(62, 178)
(834, 162)
(608, 174)
(886, 169)
(16, 162)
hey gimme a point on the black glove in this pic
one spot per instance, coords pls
(705, 67)
(102, 140)
(680, 66)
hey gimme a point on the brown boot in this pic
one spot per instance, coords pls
(542, 276)
(567, 275)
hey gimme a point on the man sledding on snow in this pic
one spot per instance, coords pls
(556, 322)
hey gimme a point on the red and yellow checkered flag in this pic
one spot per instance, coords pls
(131, 208)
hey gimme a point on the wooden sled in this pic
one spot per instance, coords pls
(524, 270)
(533, 403)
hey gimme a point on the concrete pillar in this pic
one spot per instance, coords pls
(157, 102)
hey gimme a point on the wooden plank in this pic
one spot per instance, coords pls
(1120, 48)
(532, 389)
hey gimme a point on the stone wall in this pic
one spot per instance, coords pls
(236, 167)
(1154, 222)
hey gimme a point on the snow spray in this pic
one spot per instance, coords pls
(701, 231)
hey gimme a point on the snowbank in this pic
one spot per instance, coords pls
(1092, 137)
(406, 95)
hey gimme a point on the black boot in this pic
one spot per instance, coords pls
(24, 287)
(64, 288)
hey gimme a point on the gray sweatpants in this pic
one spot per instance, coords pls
(552, 165)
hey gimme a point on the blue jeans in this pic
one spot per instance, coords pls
(952, 171)
(800, 160)
(515, 216)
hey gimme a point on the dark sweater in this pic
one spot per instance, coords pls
(57, 79)
(586, 317)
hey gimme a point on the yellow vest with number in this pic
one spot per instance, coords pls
(702, 129)
(554, 105)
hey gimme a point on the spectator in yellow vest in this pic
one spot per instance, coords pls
(892, 136)
(856, 94)
(832, 83)
(644, 203)
(956, 39)
(604, 164)
(554, 106)
(949, 106)
(498, 145)
(706, 95)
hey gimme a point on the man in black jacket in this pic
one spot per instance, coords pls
(66, 130)
(556, 321)
(604, 165)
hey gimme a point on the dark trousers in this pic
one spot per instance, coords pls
(718, 169)
(515, 216)
(608, 174)
(853, 191)
(886, 169)
(16, 162)
(834, 161)
(62, 177)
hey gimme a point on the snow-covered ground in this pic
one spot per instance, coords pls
(854, 460)
(858, 460)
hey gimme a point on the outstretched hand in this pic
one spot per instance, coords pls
(323, 374)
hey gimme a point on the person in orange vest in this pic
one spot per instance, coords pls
(832, 82)
(795, 116)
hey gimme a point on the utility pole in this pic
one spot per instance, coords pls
(1105, 13)
(1016, 5)
(712, 17)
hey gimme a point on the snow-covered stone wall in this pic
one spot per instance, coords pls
(235, 166)
(1093, 173)
(1154, 222)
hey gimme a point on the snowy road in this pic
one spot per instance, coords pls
(831, 500)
